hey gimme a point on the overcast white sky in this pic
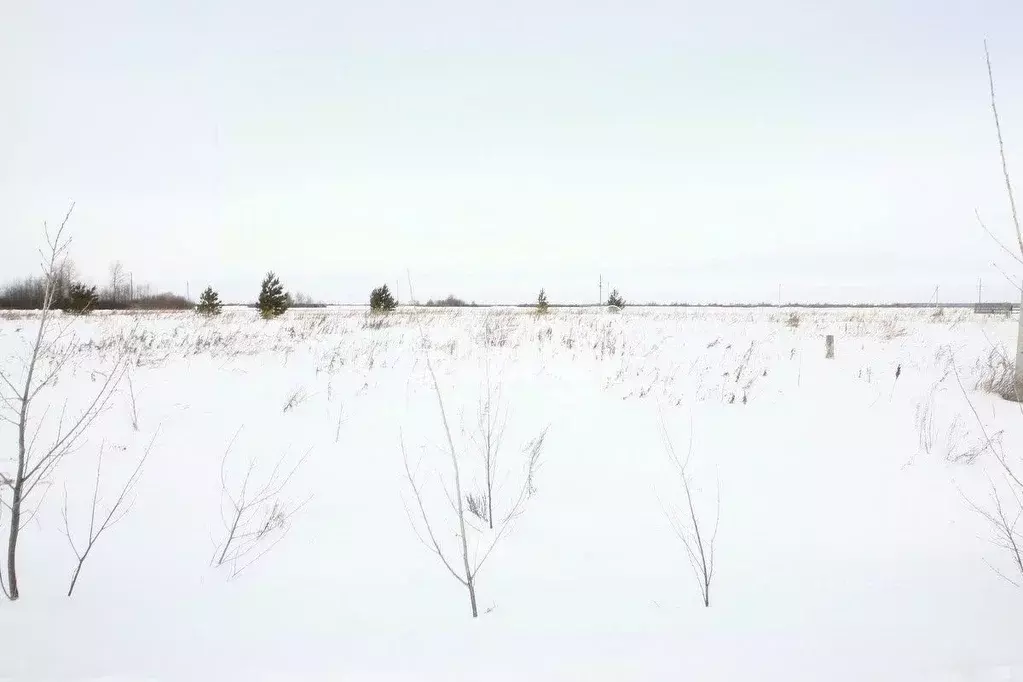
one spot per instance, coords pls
(689, 151)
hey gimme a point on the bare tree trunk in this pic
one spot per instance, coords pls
(78, 570)
(12, 540)
(458, 489)
(490, 502)
(471, 584)
(1018, 383)
(18, 488)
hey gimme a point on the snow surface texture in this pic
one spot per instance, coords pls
(846, 550)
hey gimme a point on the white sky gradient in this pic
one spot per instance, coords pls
(688, 151)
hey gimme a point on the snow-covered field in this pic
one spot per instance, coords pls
(846, 548)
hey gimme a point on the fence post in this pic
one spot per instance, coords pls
(829, 346)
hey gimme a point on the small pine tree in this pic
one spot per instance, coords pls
(541, 302)
(615, 300)
(272, 300)
(80, 300)
(209, 303)
(381, 300)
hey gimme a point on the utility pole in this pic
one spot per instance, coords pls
(600, 296)
(188, 294)
(779, 295)
(980, 288)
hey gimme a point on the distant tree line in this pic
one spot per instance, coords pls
(70, 293)
(451, 301)
(121, 293)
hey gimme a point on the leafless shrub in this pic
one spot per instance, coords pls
(686, 520)
(793, 320)
(255, 515)
(114, 513)
(1003, 519)
(483, 540)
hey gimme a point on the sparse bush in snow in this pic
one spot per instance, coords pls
(209, 303)
(695, 531)
(462, 501)
(255, 511)
(891, 328)
(474, 544)
(272, 301)
(381, 300)
(793, 320)
(998, 376)
(495, 333)
(743, 378)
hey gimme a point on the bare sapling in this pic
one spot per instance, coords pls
(697, 536)
(256, 514)
(1003, 516)
(102, 520)
(1003, 511)
(475, 544)
(38, 452)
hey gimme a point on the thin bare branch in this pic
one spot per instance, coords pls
(258, 519)
(115, 513)
(1001, 149)
(1012, 254)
